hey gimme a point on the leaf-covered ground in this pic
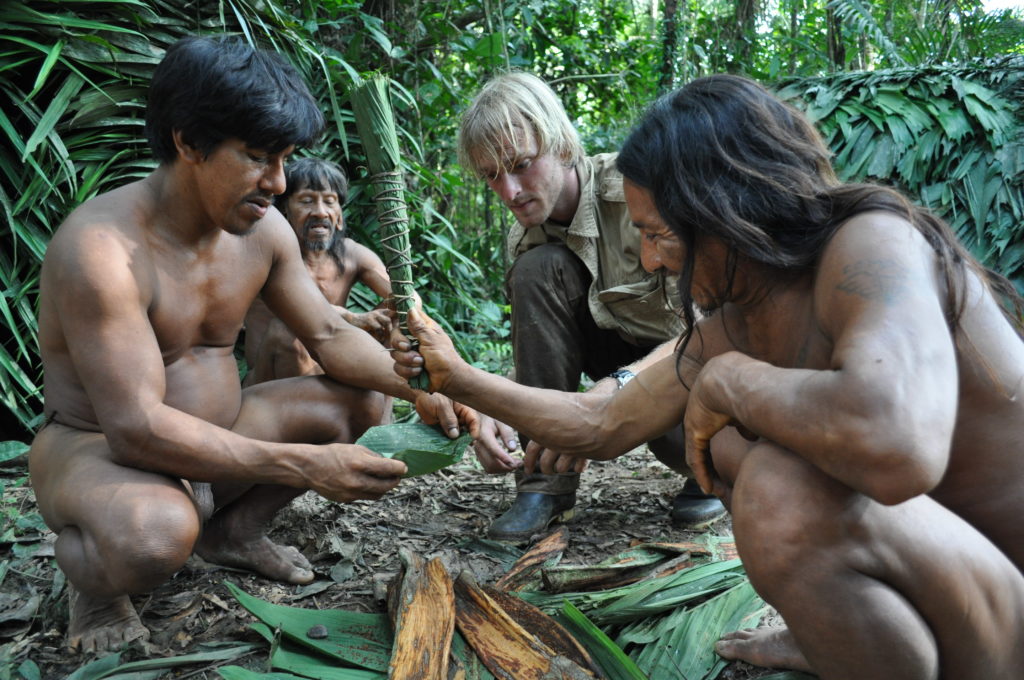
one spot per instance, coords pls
(354, 549)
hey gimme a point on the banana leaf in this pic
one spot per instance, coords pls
(355, 638)
(629, 566)
(109, 666)
(615, 663)
(682, 643)
(294, 658)
(239, 673)
(421, 447)
(648, 598)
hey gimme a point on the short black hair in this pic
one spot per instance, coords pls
(220, 87)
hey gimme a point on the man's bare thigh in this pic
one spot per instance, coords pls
(76, 481)
(307, 409)
(967, 591)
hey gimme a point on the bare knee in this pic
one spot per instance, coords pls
(368, 410)
(135, 552)
(791, 521)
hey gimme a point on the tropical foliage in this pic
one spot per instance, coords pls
(951, 136)
(73, 76)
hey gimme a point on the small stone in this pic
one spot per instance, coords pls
(317, 632)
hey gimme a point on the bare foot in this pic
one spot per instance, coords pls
(769, 647)
(263, 556)
(101, 625)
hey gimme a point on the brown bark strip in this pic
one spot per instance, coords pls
(544, 628)
(584, 579)
(548, 549)
(424, 620)
(505, 647)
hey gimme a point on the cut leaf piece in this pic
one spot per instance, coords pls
(421, 447)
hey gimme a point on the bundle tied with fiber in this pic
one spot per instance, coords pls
(375, 122)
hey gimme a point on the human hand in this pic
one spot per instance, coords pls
(348, 472)
(437, 409)
(377, 322)
(493, 446)
(436, 352)
(704, 418)
(551, 462)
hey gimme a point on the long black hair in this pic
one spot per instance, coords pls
(319, 175)
(724, 157)
(215, 88)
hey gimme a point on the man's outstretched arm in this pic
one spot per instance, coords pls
(598, 426)
(346, 353)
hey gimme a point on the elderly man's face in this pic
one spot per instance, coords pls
(315, 215)
(529, 183)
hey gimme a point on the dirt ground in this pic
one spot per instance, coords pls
(353, 547)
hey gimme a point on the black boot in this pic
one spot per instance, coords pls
(694, 509)
(530, 514)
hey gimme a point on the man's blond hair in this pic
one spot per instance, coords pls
(509, 107)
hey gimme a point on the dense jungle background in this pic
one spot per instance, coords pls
(924, 95)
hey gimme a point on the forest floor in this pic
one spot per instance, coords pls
(354, 549)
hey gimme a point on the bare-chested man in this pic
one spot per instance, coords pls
(874, 368)
(143, 293)
(312, 203)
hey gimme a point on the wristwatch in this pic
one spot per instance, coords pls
(623, 376)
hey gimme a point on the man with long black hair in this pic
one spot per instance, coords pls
(853, 393)
(142, 295)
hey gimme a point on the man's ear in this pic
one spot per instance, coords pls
(186, 151)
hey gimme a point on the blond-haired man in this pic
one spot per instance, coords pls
(582, 302)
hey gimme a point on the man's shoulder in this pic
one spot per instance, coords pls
(883, 233)
(99, 227)
(607, 180)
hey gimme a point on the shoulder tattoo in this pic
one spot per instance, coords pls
(883, 280)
